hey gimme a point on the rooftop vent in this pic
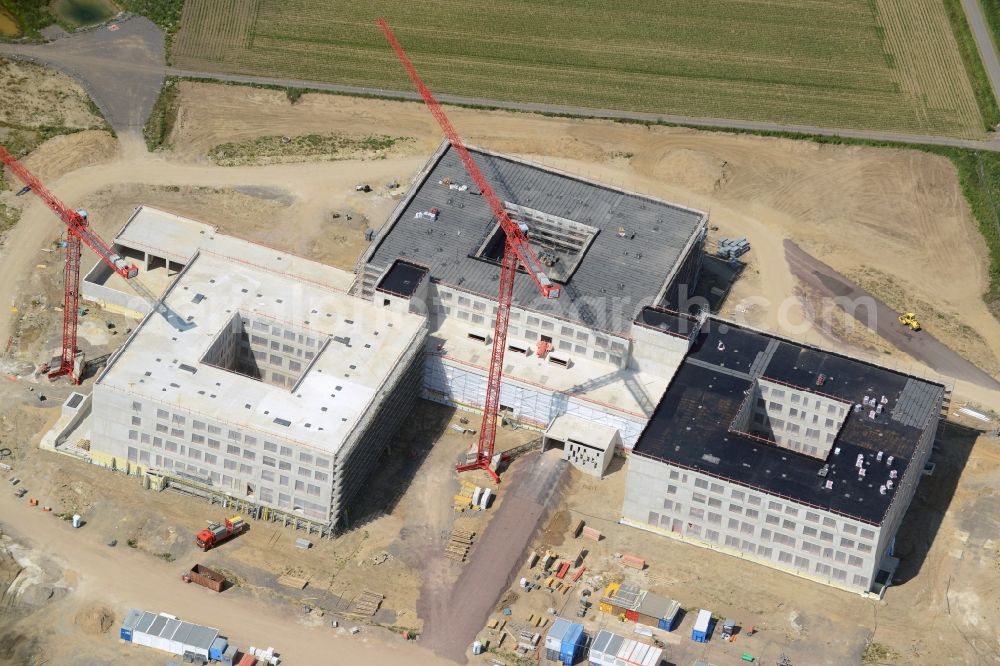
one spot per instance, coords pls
(283, 422)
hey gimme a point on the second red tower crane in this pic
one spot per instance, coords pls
(516, 249)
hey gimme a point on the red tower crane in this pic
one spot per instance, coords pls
(78, 230)
(516, 249)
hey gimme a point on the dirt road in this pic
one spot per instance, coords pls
(981, 32)
(122, 70)
(132, 59)
(312, 185)
(124, 578)
(882, 319)
(453, 625)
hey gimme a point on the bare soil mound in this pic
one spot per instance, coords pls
(94, 619)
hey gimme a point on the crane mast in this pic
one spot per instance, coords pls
(78, 230)
(516, 250)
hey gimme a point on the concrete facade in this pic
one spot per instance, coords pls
(602, 362)
(587, 446)
(773, 470)
(283, 392)
(773, 531)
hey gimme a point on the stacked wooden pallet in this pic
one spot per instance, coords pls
(368, 603)
(463, 500)
(459, 544)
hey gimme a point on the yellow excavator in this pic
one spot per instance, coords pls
(909, 320)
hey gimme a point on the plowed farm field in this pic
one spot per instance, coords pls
(868, 64)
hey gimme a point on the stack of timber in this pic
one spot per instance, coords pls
(368, 603)
(459, 544)
(463, 500)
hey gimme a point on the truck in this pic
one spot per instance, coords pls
(205, 577)
(216, 534)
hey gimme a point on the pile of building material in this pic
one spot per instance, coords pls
(528, 640)
(633, 562)
(731, 248)
(473, 497)
(459, 544)
(263, 656)
(368, 603)
(292, 581)
(431, 214)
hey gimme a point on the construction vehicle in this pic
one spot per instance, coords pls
(909, 320)
(517, 250)
(216, 534)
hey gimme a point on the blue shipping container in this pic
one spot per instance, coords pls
(572, 644)
(219, 646)
(667, 623)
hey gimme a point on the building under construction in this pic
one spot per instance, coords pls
(790, 456)
(284, 388)
(599, 351)
(281, 391)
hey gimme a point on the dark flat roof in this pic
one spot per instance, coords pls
(670, 321)
(690, 426)
(614, 278)
(402, 278)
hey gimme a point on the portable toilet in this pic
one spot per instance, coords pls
(702, 626)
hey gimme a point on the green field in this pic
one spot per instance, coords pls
(874, 64)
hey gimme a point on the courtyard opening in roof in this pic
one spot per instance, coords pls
(268, 351)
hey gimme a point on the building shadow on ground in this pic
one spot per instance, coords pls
(399, 464)
(933, 497)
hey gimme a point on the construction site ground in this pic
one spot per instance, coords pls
(893, 221)
(401, 524)
(943, 608)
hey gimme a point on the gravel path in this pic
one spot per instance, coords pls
(920, 345)
(122, 70)
(981, 33)
(496, 558)
(992, 144)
